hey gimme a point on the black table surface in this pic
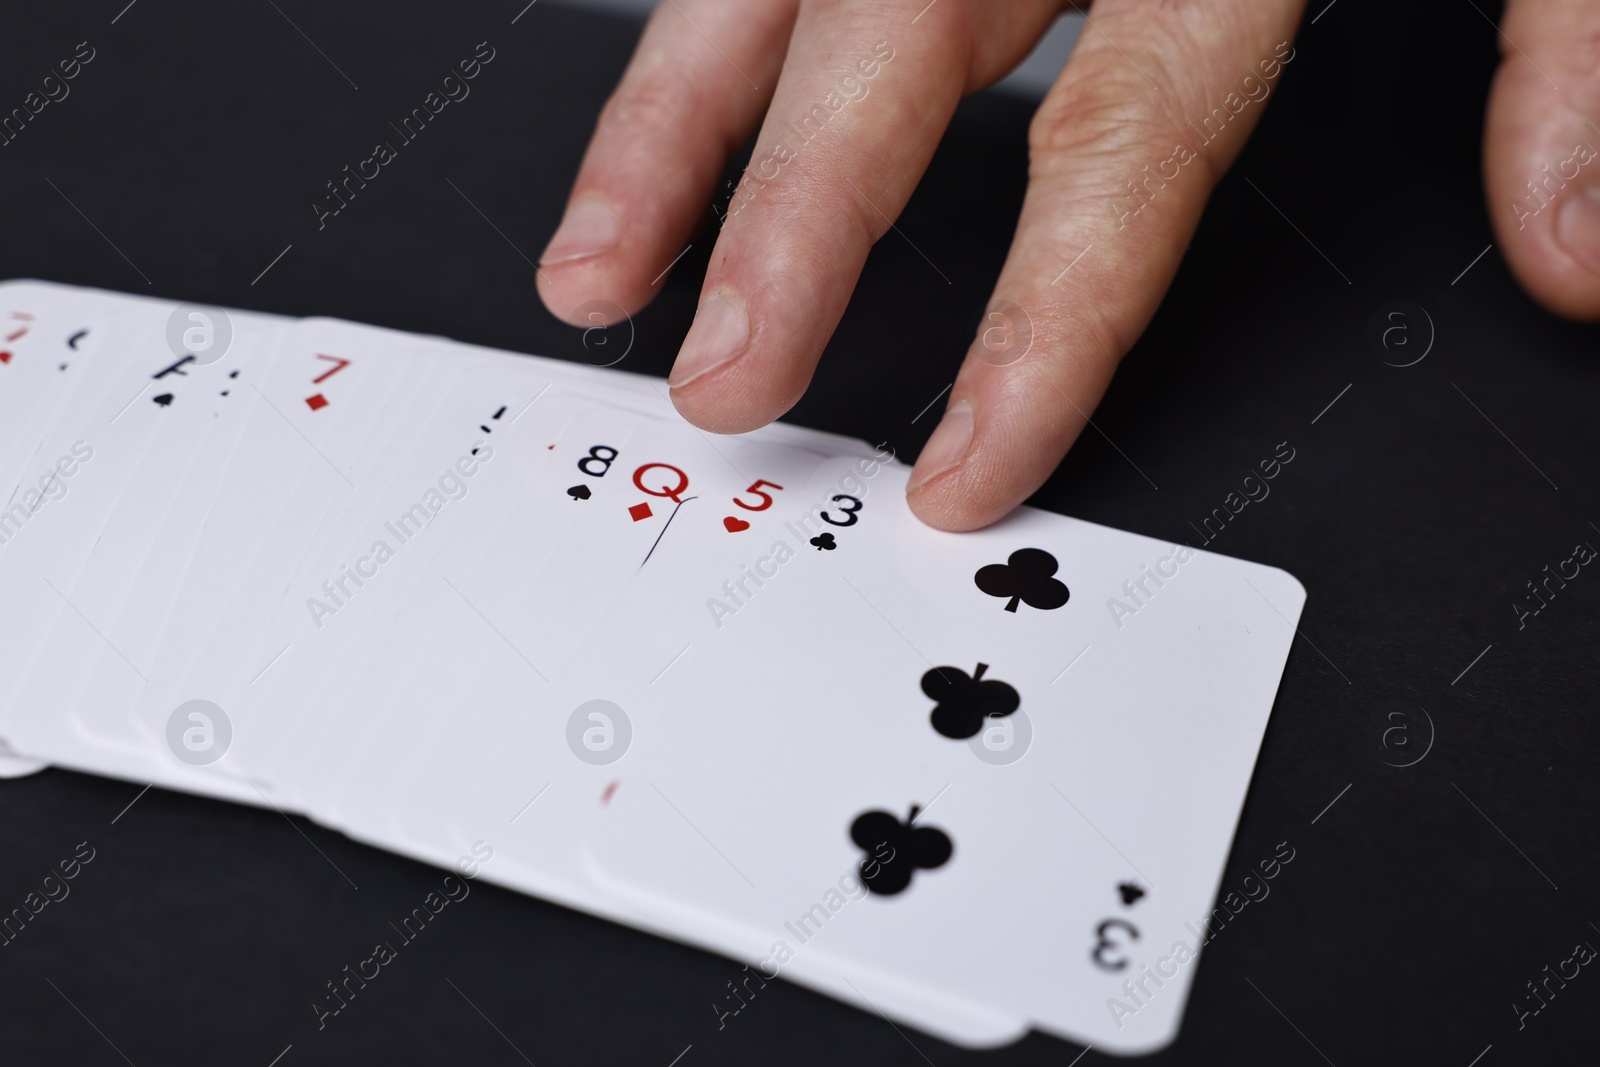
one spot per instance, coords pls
(1418, 507)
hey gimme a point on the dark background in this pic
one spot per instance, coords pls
(1408, 922)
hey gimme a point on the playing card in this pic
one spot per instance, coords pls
(478, 591)
(725, 689)
(127, 584)
(76, 705)
(458, 464)
(316, 485)
(504, 769)
(280, 490)
(12, 766)
(992, 724)
(47, 340)
(85, 460)
(561, 444)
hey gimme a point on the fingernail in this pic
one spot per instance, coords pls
(720, 332)
(588, 228)
(947, 447)
(1578, 226)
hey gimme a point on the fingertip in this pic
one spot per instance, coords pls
(947, 447)
(1577, 231)
(704, 409)
(1541, 169)
(719, 335)
(582, 277)
(589, 227)
(732, 374)
(998, 442)
(571, 296)
(717, 342)
(946, 489)
(1578, 227)
(1554, 250)
(947, 502)
(724, 402)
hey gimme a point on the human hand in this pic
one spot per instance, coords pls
(1150, 111)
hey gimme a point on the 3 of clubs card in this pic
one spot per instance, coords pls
(977, 774)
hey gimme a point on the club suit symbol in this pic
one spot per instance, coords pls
(1028, 577)
(896, 850)
(824, 542)
(963, 701)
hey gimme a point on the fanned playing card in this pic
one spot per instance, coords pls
(987, 736)
(728, 690)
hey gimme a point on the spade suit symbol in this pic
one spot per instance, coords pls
(1027, 576)
(1131, 892)
(965, 702)
(579, 492)
(896, 850)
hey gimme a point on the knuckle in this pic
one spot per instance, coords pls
(654, 106)
(1579, 57)
(1103, 332)
(653, 101)
(1113, 107)
(1087, 333)
(1555, 48)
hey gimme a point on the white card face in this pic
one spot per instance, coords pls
(19, 766)
(304, 636)
(584, 491)
(720, 688)
(47, 341)
(598, 454)
(455, 466)
(138, 562)
(104, 365)
(505, 768)
(219, 397)
(86, 458)
(279, 490)
(687, 498)
(558, 445)
(94, 664)
(1137, 716)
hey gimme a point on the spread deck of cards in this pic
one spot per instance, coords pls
(448, 601)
